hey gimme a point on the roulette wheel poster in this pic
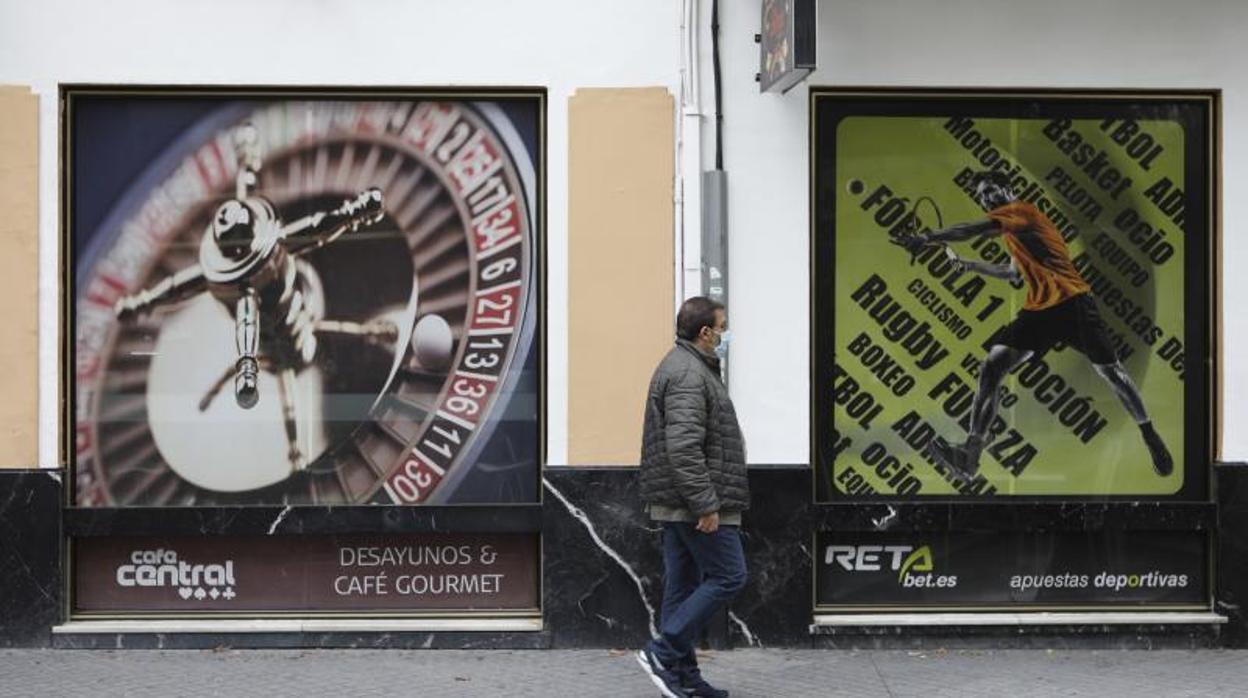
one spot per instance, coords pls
(284, 296)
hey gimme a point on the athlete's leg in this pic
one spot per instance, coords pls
(963, 459)
(1120, 381)
(1122, 385)
(997, 365)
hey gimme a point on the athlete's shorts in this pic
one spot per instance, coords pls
(1075, 322)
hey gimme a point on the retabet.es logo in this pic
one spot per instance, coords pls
(914, 566)
(162, 568)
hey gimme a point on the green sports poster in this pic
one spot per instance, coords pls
(902, 333)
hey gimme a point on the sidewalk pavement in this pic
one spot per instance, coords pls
(753, 672)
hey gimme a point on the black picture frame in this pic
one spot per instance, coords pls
(1199, 109)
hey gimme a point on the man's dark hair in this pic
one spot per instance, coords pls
(696, 313)
(996, 177)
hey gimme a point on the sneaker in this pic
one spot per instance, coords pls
(667, 681)
(1163, 463)
(961, 460)
(695, 685)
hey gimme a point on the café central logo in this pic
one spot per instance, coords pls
(914, 566)
(162, 568)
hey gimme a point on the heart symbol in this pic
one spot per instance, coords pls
(184, 592)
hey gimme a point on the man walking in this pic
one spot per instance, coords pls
(693, 480)
(1058, 308)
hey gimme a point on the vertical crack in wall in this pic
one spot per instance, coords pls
(745, 630)
(285, 512)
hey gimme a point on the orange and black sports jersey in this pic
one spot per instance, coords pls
(1040, 254)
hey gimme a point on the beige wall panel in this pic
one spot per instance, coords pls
(19, 277)
(620, 265)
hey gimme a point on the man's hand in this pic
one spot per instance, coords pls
(958, 263)
(709, 523)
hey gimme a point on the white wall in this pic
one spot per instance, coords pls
(1065, 43)
(565, 44)
(560, 44)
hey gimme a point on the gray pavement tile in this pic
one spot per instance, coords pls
(748, 673)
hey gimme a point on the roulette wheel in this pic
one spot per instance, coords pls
(310, 302)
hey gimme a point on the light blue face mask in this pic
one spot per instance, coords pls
(721, 349)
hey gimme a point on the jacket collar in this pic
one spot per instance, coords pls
(711, 361)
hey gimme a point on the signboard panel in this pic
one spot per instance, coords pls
(787, 44)
(222, 575)
(1080, 569)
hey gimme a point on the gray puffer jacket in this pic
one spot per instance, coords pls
(692, 452)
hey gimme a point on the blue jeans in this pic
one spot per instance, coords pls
(702, 572)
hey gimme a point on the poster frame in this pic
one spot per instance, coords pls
(1207, 307)
(147, 518)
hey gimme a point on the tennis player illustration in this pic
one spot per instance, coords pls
(1058, 308)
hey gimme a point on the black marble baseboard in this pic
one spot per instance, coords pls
(774, 610)
(602, 578)
(442, 640)
(603, 573)
(240, 520)
(604, 570)
(1231, 550)
(1016, 516)
(30, 556)
(1065, 637)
